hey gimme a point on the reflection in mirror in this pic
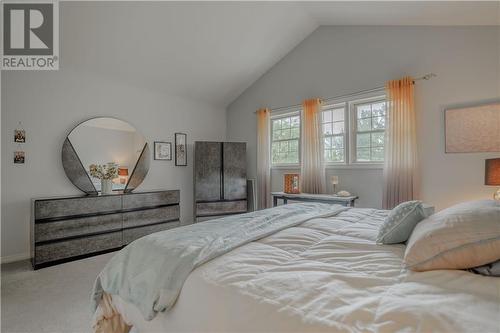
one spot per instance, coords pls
(108, 150)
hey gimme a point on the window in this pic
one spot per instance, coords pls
(285, 137)
(333, 125)
(369, 120)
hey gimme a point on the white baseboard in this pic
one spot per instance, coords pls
(14, 258)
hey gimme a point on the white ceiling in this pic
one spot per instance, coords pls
(213, 51)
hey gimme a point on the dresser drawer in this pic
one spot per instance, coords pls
(150, 216)
(46, 209)
(76, 227)
(75, 247)
(129, 235)
(152, 199)
(221, 208)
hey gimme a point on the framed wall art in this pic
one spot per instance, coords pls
(180, 149)
(162, 151)
(473, 129)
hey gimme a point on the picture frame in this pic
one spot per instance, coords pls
(180, 149)
(162, 151)
(19, 157)
(19, 136)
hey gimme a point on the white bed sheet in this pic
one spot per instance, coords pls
(326, 275)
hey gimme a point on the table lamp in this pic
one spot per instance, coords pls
(123, 173)
(492, 175)
(335, 181)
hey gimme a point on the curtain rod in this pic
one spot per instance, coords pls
(366, 91)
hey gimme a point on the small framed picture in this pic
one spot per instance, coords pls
(19, 136)
(19, 157)
(163, 151)
(180, 149)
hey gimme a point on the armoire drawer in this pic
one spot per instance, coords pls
(150, 199)
(221, 208)
(77, 226)
(150, 216)
(129, 235)
(76, 247)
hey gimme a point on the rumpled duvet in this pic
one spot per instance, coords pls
(150, 272)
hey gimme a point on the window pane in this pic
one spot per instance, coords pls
(283, 146)
(338, 114)
(276, 134)
(378, 109)
(378, 154)
(377, 139)
(364, 124)
(328, 142)
(338, 142)
(327, 129)
(363, 140)
(327, 116)
(295, 121)
(364, 111)
(276, 124)
(337, 155)
(328, 155)
(285, 123)
(378, 122)
(338, 128)
(293, 157)
(363, 154)
(295, 132)
(293, 145)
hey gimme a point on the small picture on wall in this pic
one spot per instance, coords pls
(180, 149)
(163, 151)
(19, 157)
(19, 136)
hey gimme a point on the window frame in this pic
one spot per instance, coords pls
(282, 115)
(329, 107)
(353, 130)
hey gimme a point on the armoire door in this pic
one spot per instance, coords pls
(207, 171)
(234, 171)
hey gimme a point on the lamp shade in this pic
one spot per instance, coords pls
(122, 171)
(492, 172)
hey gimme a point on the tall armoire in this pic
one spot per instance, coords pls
(220, 179)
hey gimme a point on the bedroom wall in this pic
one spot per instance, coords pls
(337, 60)
(50, 104)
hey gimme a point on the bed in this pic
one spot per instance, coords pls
(325, 274)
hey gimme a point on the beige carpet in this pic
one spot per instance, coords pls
(53, 299)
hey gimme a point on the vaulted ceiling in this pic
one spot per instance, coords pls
(213, 51)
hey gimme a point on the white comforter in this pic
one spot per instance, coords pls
(325, 275)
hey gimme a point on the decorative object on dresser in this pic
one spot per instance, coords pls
(106, 173)
(473, 129)
(335, 181)
(180, 149)
(100, 141)
(291, 183)
(220, 184)
(492, 175)
(326, 198)
(71, 228)
(163, 151)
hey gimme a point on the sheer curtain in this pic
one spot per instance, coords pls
(263, 159)
(312, 166)
(400, 166)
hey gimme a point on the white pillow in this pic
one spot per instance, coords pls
(463, 236)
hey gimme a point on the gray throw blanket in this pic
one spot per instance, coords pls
(151, 271)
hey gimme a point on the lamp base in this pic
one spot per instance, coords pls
(496, 195)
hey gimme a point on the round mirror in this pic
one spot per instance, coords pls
(105, 155)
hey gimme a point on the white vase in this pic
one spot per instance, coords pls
(106, 186)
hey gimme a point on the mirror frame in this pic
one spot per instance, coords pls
(78, 175)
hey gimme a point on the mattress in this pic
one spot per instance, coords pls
(325, 275)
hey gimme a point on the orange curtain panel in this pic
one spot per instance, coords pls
(312, 166)
(263, 159)
(400, 166)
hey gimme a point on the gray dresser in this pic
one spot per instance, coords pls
(70, 228)
(220, 182)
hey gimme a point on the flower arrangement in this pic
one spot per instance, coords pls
(105, 171)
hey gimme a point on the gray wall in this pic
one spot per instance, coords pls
(339, 60)
(49, 104)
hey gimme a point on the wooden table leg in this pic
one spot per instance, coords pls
(275, 201)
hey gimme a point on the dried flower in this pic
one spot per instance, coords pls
(106, 171)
